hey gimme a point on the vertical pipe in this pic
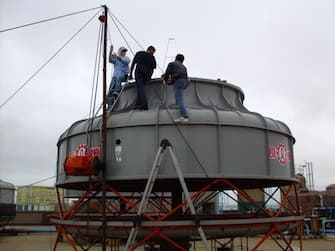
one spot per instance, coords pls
(312, 175)
(104, 130)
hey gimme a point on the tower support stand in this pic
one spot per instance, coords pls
(164, 145)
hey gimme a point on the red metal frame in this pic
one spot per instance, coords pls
(155, 213)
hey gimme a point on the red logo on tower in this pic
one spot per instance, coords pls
(280, 153)
(83, 150)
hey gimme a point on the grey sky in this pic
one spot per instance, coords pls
(281, 53)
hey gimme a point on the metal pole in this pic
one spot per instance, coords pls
(104, 130)
(187, 195)
(312, 174)
(146, 194)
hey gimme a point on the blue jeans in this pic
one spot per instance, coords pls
(115, 86)
(178, 88)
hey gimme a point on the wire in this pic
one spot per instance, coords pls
(115, 19)
(124, 38)
(37, 182)
(139, 45)
(94, 86)
(49, 19)
(47, 62)
(93, 93)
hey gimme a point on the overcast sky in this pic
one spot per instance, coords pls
(281, 53)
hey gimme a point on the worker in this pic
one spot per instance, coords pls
(120, 73)
(176, 74)
(145, 63)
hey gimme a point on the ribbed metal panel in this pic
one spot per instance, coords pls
(222, 139)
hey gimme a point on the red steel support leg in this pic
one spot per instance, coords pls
(80, 203)
(132, 205)
(246, 196)
(59, 204)
(140, 243)
(156, 232)
(175, 244)
(284, 199)
(265, 237)
(57, 239)
(69, 214)
(61, 232)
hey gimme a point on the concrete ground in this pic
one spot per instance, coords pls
(45, 241)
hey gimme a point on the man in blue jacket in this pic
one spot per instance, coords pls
(120, 73)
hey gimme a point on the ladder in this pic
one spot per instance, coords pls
(126, 83)
(164, 145)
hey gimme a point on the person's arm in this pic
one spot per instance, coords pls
(167, 72)
(125, 60)
(154, 63)
(132, 66)
(112, 59)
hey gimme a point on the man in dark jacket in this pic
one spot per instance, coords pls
(145, 64)
(177, 73)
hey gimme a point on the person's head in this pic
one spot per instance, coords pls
(151, 50)
(122, 51)
(180, 58)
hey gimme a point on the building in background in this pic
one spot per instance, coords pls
(36, 198)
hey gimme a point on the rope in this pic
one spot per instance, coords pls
(49, 19)
(47, 62)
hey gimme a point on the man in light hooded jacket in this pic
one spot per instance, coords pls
(120, 73)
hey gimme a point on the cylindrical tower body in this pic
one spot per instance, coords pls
(223, 148)
(222, 139)
(7, 202)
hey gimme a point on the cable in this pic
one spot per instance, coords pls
(124, 38)
(37, 182)
(49, 19)
(139, 45)
(47, 62)
(114, 19)
(93, 93)
(92, 114)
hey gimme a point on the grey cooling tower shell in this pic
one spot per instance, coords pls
(222, 139)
